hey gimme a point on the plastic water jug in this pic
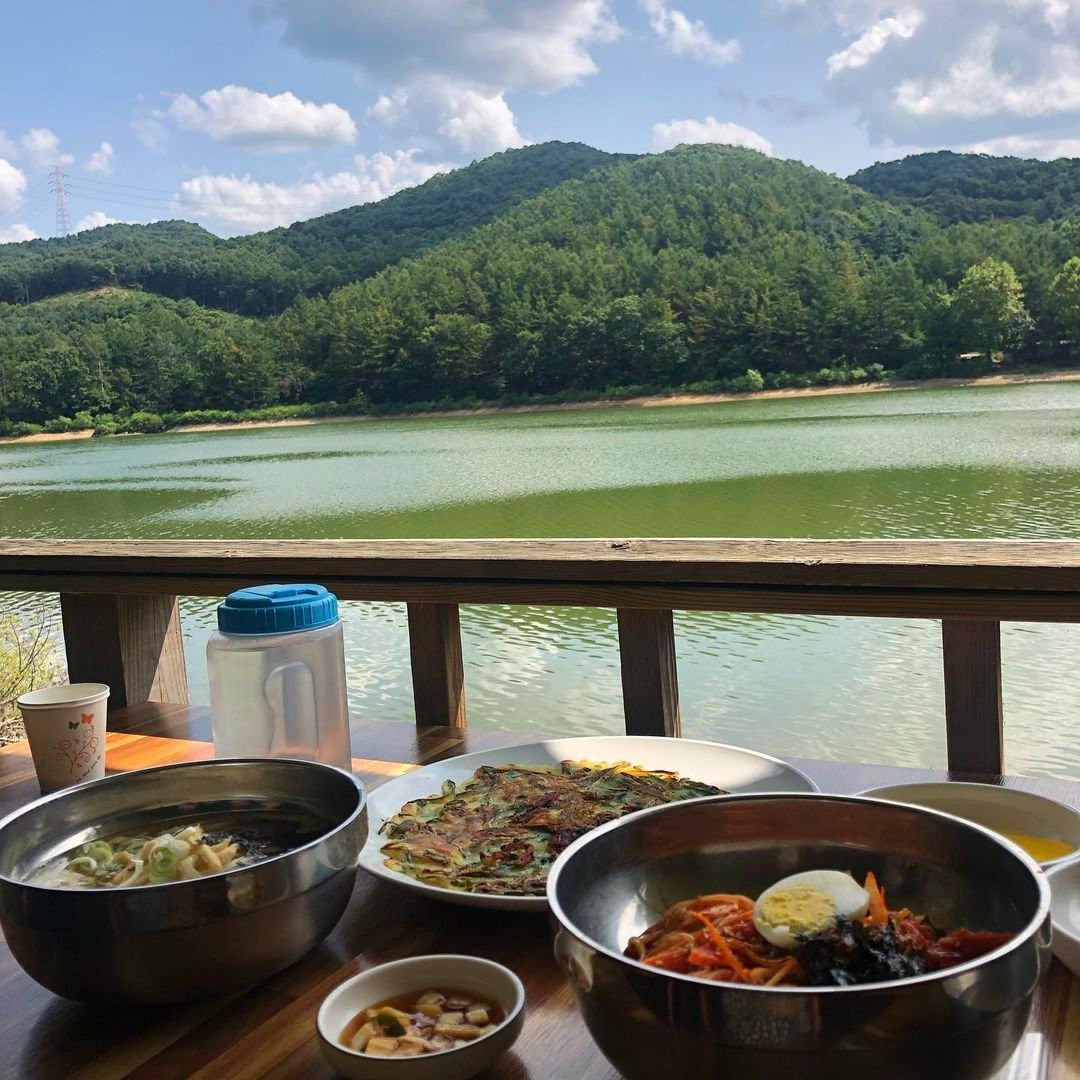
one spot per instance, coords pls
(277, 675)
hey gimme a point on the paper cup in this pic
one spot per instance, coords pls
(66, 729)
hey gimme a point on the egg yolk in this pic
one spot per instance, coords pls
(801, 908)
(1040, 848)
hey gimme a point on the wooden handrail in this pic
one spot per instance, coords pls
(1004, 566)
(971, 585)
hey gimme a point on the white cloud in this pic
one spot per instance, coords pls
(446, 66)
(954, 72)
(685, 37)
(16, 234)
(101, 160)
(473, 120)
(94, 220)
(710, 130)
(41, 149)
(243, 204)
(12, 186)
(275, 123)
(479, 122)
(1028, 146)
(150, 130)
(508, 44)
(972, 88)
(391, 109)
(9, 148)
(861, 51)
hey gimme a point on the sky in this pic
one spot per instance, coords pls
(244, 115)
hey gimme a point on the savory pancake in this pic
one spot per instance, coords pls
(499, 831)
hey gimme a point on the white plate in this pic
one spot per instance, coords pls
(729, 767)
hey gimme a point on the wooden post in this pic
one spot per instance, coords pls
(438, 675)
(132, 642)
(974, 728)
(649, 676)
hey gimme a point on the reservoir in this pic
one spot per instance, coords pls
(997, 461)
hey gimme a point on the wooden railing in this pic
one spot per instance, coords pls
(118, 602)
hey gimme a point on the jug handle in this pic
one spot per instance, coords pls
(294, 726)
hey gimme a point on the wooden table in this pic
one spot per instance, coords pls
(268, 1030)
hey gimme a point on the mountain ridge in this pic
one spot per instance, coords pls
(260, 273)
(703, 267)
(972, 188)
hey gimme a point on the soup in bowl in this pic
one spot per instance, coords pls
(224, 871)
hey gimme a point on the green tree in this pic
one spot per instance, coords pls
(28, 661)
(1064, 300)
(988, 307)
(457, 350)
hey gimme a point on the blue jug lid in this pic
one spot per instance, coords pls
(277, 609)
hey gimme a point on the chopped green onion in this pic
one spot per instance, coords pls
(163, 866)
(97, 850)
(135, 845)
(390, 1024)
(83, 865)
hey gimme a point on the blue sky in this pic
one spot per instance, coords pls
(247, 114)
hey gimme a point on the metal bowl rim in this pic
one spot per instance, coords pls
(1041, 917)
(224, 875)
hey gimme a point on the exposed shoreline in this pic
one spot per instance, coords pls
(652, 401)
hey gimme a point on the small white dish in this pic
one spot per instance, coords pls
(1002, 809)
(1065, 913)
(484, 978)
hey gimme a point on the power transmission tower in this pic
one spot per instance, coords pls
(56, 183)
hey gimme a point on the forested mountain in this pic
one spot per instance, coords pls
(977, 187)
(706, 267)
(263, 273)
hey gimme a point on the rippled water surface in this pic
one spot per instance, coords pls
(987, 462)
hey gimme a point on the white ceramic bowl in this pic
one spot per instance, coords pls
(999, 808)
(1065, 913)
(484, 978)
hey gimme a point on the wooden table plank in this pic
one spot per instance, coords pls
(268, 1030)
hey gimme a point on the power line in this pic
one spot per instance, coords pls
(94, 193)
(83, 179)
(28, 209)
(314, 200)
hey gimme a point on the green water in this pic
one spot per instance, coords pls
(987, 462)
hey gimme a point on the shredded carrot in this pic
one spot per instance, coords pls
(742, 949)
(728, 948)
(782, 972)
(724, 949)
(877, 913)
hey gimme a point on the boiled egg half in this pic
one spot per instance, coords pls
(807, 904)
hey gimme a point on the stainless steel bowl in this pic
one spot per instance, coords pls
(160, 943)
(963, 1022)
